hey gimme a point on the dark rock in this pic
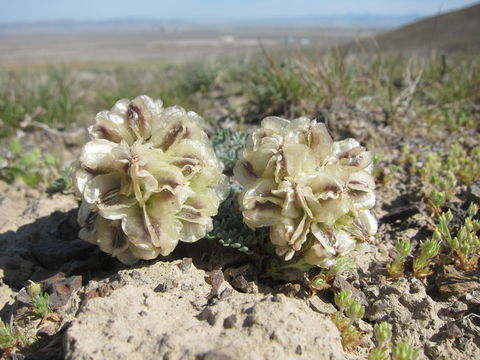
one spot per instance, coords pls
(225, 353)
(298, 350)
(209, 315)
(226, 293)
(230, 321)
(293, 290)
(52, 254)
(61, 288)
(250, 310)
(242, 278)
(166, 286)
(249, 321)
(136, 275)
(215, 279)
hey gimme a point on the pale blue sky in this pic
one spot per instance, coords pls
(34, 10)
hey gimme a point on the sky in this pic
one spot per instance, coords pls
(41, 10)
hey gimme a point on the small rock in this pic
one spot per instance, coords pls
(230, 321)
(226, 293)
(46, 331)
(209, 315)
(225, 353)
(474, 192)
(298, 350)
(249, 321)
(136, 275)
(292, 290)
(215, 279)
(185, 265)
(316, 304)
(242, 285)
(453, 331)
(166, 286)
(250, 310)
(61, 288)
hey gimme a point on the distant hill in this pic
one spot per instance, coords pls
(355, 21)
(453, 31)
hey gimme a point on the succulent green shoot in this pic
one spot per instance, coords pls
(383, 333)
(40, 301)
(396, 267)
(428, 250)
(403, 350)
(343, 299)
(8, 337)
(342, 265)
(355, 310)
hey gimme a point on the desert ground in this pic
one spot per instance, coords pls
(419, 115)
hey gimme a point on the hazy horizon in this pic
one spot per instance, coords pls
(216, 10)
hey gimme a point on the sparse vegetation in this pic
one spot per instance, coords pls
(30, 167)
(424, 174)
(322, 280)
(396, 267)
(464, 248)
(350, 311)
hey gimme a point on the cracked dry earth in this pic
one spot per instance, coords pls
(209, 302)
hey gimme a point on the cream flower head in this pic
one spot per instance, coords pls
(314, 194)
(148, 178)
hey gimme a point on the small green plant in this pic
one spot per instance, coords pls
(8, 337)
(396, 267)
(29, 167)
(442, 172)
(325, 276)
(229, 229)
(62, 183)
(465, 247)
(404, 350)
(383, 335)
(350, 311)
(12, 341)
(40, 302)
(228, 146)
(429, 249)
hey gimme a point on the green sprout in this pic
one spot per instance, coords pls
(8, 337)
(465, 247)
(428, 250)
(40, 302)
(403, 350)
(12, 340)
(321, 280)
(383, 335)
(396, 267)
(350, 311)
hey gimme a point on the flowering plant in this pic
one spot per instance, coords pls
(314, 194)
(148, 178)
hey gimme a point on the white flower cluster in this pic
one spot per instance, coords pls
(314, 194)
(148, 178)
